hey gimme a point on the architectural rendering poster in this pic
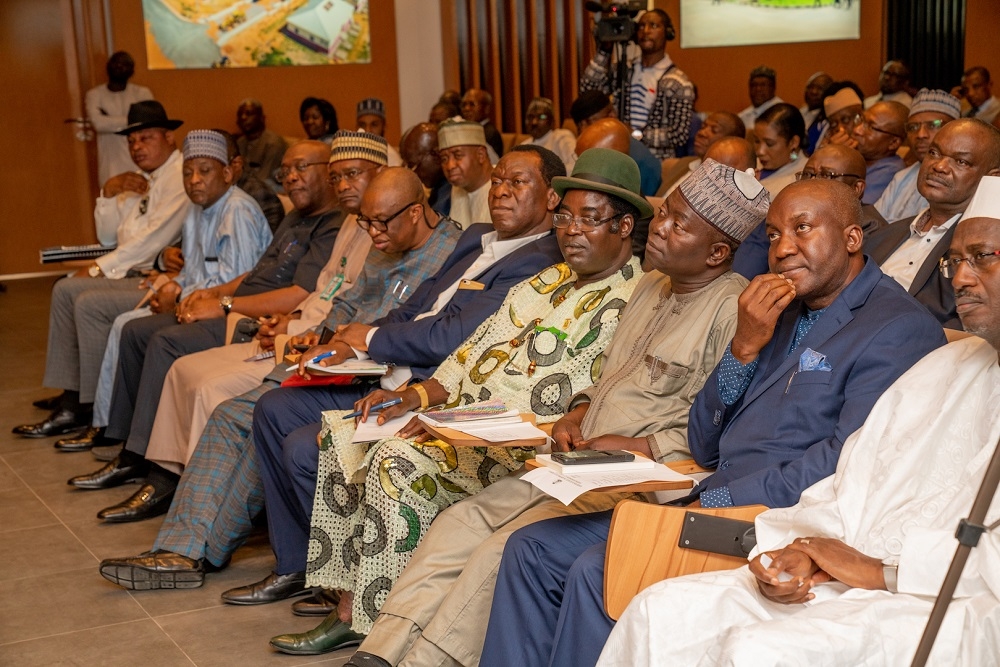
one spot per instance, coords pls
(189, 34)
(741, 22)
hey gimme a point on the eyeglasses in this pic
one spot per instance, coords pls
(825, 174)
(563, 220)
(382, 225)
(979, 262)
(349, 176)
(929, 124)
(861, 121)
(281, 173)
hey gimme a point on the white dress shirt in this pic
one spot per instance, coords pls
(904, 264)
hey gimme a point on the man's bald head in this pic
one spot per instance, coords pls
(390, 212)
(840, 163)
(717, 125)
(604, 133)
(735, 152)
(418, 150)
(883, 130)
(398, 184)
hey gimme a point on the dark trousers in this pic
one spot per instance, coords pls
(149, 345)
(285, 426)
(548, 607)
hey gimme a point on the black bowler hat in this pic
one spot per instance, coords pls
(144, 115)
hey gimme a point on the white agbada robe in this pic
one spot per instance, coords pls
(903, 481)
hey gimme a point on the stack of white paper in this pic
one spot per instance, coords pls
(567, 488)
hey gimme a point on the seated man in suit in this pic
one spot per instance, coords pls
(279, 280)
(221, 491)
(879, 134)
(676, 328)
(853, 567)
(543, 344)
(816, 344)
(963, 152)
(142, 212)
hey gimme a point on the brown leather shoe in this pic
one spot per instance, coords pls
(154, 570)
(81, 442)
(271, 588)
(322, 602)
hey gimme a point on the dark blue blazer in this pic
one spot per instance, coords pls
(786, 432)
(425, 343)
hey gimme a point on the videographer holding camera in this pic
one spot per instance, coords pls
(653, 96)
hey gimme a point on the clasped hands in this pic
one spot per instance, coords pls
(811, 561)
(201, 304)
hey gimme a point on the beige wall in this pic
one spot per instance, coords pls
(982, 21)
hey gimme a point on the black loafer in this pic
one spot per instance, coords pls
(50, 403)
(272, 588)
(111, 475)
(362, 659)
(322, 602)
(60, 422)
(154, 570)
(81, 442)
(331, 634)
(145, 503)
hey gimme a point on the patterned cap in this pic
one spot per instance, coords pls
(460, 133)
(937, 101)
(986, 202)
(843, 98)
(206, 143)
(734, 202)
(349, 145)
(371, 106)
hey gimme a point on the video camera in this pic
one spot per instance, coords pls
(617, 22)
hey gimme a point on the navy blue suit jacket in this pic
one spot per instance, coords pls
(424, 344)
(786, 431)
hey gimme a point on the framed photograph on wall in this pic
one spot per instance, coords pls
(743, 22)
(193, 34)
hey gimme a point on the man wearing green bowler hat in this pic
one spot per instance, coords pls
(675, 329)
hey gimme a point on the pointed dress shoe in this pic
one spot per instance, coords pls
(81, 442)
(154, 570)
(322, 602)
(145, 503)
(60, 422)
(272, 588)
(331, 634)
(111, 475)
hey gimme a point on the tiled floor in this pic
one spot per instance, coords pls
(55, 609)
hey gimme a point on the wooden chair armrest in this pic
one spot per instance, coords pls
(642, 549)
(688, 467)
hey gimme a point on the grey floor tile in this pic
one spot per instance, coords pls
(74, 505)
(113, 540)
(41, 464)
(242, 631)
(127, 644)
(21, 509)
(36, 552)
(51, 604)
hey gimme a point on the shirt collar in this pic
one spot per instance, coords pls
(918, 222)
(502, 248)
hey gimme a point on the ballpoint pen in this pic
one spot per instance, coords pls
(375, 408)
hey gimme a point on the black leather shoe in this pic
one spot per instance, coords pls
(145, 503)
(112, 475)
(362, 659)
(271, 588)
(50, 403)
(81, 442)
(60, 422)
(322, 602)
(331, 634)
(154, 570)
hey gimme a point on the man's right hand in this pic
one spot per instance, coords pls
(340, 352)
(566, 435)
(127, 182)
(173, 259)
(165, 299)
(803, 571)
(760, 306)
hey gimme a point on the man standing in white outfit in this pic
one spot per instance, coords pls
(107, 110)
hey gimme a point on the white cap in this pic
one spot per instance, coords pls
(986, 202)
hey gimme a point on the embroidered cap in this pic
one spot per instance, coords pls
(607, 171)
(206, 143)
(460, 133)
(986, 202)
(734, 202)
(840, 100)
(371, 106)
(349, 145)
(937, 101)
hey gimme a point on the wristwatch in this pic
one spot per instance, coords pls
(227, 304)
(890, 572)
(95, 271)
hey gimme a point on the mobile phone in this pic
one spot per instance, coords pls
(585, 456)
(302, 348)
